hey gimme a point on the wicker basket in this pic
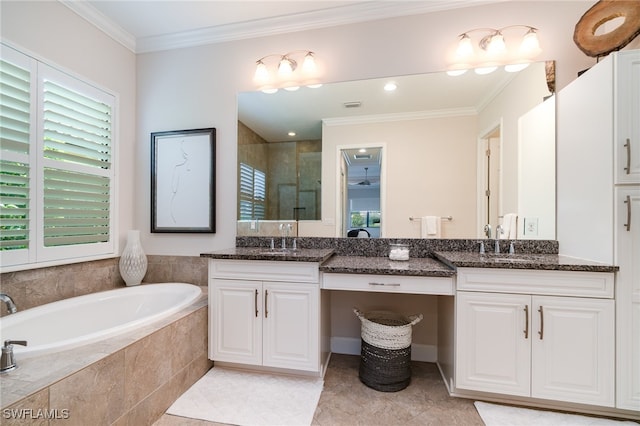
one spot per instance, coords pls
(385, 359)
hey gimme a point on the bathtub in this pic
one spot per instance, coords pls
(86, 319)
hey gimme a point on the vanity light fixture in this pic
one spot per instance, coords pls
(287, 72)
(494, 51)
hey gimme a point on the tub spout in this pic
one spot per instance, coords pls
(11, 307)
(8, 361)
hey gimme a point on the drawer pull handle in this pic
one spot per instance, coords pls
(628, 146)
(386, 284)
(526, 321)
(255, 303)
(541, 332)
(628, 203)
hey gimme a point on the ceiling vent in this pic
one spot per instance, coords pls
(362, 156)
(356, 104)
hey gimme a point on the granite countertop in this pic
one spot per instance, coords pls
(418, 266)
(265, 253)
(555, 262)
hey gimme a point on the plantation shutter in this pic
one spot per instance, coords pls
(246, 192)
(259, 194)
(253, 192)
(56, 171)
(77, 134)
(15, 156)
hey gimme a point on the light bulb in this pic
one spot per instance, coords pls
(309, 63)
(286, 66)
(262, 74)
(465, 48)
(530, 44)
(496, 44)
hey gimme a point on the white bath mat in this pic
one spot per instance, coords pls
(504, 415)
(246, 398)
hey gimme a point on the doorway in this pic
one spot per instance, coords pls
(361, 191)
(489, 180)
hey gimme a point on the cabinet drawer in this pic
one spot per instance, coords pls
(529, 281)
(388, 283)
(265, 270)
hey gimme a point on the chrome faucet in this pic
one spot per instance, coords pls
(8, 361)
(11, 307)
(487, 230)
(499, 232)
(285, 229)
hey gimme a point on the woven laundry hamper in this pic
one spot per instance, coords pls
(385, 358)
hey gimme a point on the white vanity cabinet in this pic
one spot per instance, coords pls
(265, 313)
(531, 333)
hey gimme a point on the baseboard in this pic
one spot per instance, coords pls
(351, 346)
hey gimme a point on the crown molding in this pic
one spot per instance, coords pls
(401, 116)
(105, 24)
(354, 13)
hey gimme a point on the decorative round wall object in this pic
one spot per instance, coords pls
(604, 11)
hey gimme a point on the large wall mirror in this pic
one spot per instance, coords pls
(469, 150)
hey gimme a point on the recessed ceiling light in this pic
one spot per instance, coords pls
(362, 150)
(291, 133)
(390, 86)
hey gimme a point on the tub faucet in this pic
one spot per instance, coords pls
(8, 361)
(11, 307)
(499, 232)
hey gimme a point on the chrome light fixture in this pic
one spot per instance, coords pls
(287, 75)
(494, 50)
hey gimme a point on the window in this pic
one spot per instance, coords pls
(365, 219)
(253, 193)
(56, 172)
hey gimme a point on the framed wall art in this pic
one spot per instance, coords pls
(183, 181)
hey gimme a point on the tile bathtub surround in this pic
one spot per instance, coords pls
(35, 287)
(418, 247)
(130, 379)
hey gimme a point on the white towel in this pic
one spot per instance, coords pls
(430, 227)
(509, 226)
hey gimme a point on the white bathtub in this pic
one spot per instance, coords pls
(85, 319)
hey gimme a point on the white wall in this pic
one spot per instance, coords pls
(54, 34)
(440, 152)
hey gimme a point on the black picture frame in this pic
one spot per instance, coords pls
(183, 181)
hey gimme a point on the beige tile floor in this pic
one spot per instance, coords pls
(346, 401)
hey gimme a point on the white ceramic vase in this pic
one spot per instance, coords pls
(133, 262)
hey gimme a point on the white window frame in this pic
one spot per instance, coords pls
(37, 255)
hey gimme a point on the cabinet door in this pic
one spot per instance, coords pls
(236, 322)
(572, 350)
(628, 298)
(627, 128)
(493, 351)
(291, 326)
